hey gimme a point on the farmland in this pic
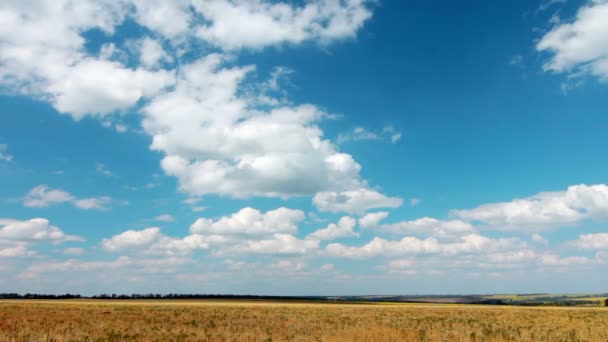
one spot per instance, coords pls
(220, 320)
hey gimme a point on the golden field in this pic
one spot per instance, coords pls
(190, 320)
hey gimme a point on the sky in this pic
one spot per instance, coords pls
(312, 147)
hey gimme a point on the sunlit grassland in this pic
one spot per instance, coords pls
(216, 320)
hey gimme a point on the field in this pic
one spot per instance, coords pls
(188, 320)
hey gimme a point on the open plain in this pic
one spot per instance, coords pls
(197, 320)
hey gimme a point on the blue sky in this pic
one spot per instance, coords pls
(308, 147)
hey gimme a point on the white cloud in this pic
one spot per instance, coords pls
(98, 203)
(101, 87)
(164, 218)
(132, 238)
(278, 244)
(43, 196)
(256, 23)
(73, 251)
(15, 252)
(357, 134)
(215, 143)
(372, 220)
(250, 221)
(425, 226)
(468, 244)
(151, 53)
(551, 259)
(539, 239)
(37, 229)
(580, 46)
(288, 265)
(362, 134)
(4, 156)
(102, 169)
(124, 263)
(400, 264)
(344, 228)
(543, 211)
(170, 18)
(395, 137)
(592, 241)
(430, 226)
(43, 54)
(354, 201)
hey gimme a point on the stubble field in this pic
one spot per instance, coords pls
(88, 320)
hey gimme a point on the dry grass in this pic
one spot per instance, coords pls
(260, 321)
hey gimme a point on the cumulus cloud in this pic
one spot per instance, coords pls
(379, 247)
(152, 53)
(255, 24)
(15, 252)
(344, 228)
(247, 231)
(543, 211)
(250, 221)
(215, 142)
(37, 229)
(426, 226)
(354, 201)
(551, 259)
(132, 238)
(43, 53)
(43, 196)
(580, 46)
(591, 241)
(278, 244)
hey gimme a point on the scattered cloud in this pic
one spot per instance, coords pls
(165, 218)
(548, 4)
(256, 24)
(591, 241)
(543, 211)
(579, 47)
(372, 220)
(344, 228)
(468, 244)
(423, 226)
(103, 170)
(73, 251)
(362, 134)
(132, 238)
(354, 201)
(537, 238)
(37, 229)
(4, 156)
(278, 244)
(42, 196)
(250, 221)
(551, 259)
(15, 252)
